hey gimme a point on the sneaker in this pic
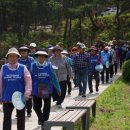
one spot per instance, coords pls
(39, 122)
(42, 127)
(97, 89)
(28, 114)
(90, 92)
(59, 106)
(80, 94)
(69, 93)
(83, 95)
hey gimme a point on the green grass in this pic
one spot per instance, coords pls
(113, 109)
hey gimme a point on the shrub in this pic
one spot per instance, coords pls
(126, 71)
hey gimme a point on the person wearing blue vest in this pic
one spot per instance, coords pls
(27, 61)
(95, 60)
(14, 77)
(44, 79)
(105, 60)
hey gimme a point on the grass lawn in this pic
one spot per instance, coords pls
(113, 108)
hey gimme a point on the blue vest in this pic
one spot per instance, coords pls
(105, 57)
(94, 61)
(26, 62)
(12, 80)
(40, 75)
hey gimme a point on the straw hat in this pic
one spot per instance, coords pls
(12, 51)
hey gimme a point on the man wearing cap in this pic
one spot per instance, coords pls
(105, 60)
(82, 65)
(14, 77)
(32, 48)
(64, 69)
(43, 79)
(26, 60)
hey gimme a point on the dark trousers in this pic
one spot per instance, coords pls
(61, 98)
(115, 66)
(42, 113)
(96, 77)
(7, 121)
(75, 79)
(69, 84)
(111, 71)
(107, 74)
(29, 106)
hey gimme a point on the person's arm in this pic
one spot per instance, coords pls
(28, 83)
(1, 83)
(55, 80)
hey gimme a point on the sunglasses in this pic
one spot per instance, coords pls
(74, 50)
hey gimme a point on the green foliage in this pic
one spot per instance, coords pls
(126, 71)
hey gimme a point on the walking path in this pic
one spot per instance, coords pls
(31, 123)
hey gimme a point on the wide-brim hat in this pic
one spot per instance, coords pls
(12, 51)
(41, 53)
(23, 48)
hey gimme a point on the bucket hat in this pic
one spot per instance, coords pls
(12, 51)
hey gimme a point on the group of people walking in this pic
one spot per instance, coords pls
(44, 73)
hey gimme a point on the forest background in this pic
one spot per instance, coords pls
(63, 22)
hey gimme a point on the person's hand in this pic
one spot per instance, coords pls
(59, 93)
(27, 97)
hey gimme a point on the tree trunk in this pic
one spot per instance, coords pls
(66, 28)
(70, 25)
(80, 29)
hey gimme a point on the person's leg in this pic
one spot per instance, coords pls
(63, 85)
(115, 68)
(37, 104)
(21, 119)
(90, 82)
(79, 77)
(111, 71)
(102, 74)
(97, 79)
(84, 81)
(7, 110)
(46, 108)
(29, 107)
(107, 74)
(69, 85)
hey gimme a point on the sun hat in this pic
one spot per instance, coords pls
(41, 52)
(23, 47)
(12, 50)
(65, 52)
(33, 45)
